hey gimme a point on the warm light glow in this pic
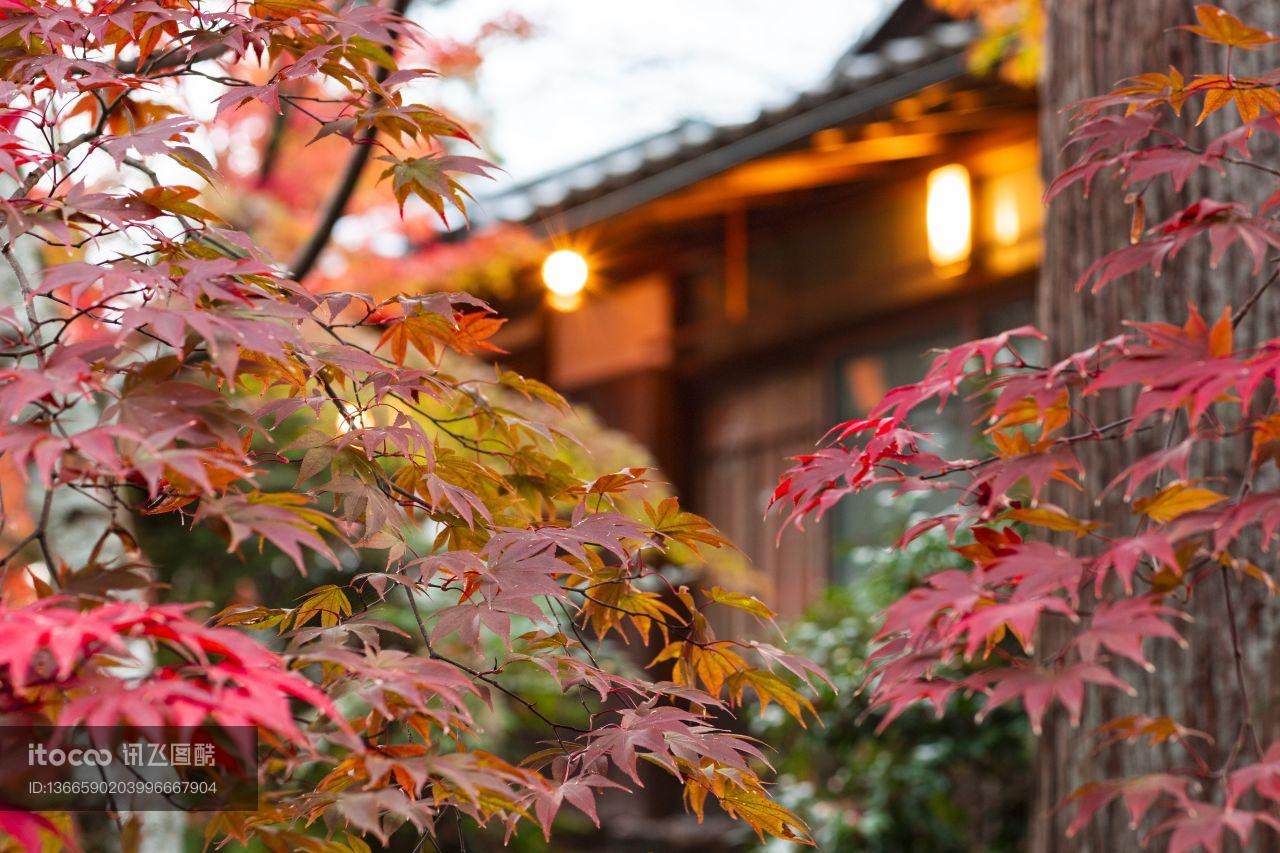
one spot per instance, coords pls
(949, 216)
(564, 301)
(1006, 225)
(564, 272)
(828, 139)
(352, 418)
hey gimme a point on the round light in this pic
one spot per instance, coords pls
(564, 272)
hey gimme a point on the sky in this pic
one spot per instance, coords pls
(601, 73)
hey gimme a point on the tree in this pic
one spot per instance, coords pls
(1119, 532)
(163, 364)
(1085, 54)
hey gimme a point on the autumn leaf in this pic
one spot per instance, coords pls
(671, 522)
(1175, 500)
(1052, 518)
(1266, 440)
(770, 688)
(764, 815)
(710, 664)
(473, 332)
(741, 601)
(1028, 412)
(1252, 98)
(532, 389)
(328, 602)
(176, 200)
(1221, 27)
(430, 179)
(1156, 730)
(426, 333)
(1153, 88)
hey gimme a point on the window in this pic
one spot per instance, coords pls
(873, 518)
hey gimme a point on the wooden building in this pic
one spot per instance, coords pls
(751, 285)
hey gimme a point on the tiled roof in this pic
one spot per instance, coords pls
(624, 178)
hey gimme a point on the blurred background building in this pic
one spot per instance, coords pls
(725, 292)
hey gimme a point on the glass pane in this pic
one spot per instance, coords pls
(875, 518)
(871, 518)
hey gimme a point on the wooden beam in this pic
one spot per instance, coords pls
(797, 170)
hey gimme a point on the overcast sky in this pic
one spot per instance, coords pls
(601, 73)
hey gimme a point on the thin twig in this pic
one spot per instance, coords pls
(1253, 298)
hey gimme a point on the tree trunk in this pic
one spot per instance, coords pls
(1090, 46)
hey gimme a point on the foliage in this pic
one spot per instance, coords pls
(1012, 36)
(165, 364)
(925, 783)
(1199, 508)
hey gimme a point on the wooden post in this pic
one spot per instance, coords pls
(736, 272)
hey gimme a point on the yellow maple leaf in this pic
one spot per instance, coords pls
(1175, 500)
(1052, 518)
(1221, 27)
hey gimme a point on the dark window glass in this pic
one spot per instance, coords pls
(874, 517)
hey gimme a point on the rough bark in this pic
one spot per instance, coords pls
(1091, 45)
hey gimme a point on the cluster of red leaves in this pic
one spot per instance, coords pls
(1112, 585)
(148, 369)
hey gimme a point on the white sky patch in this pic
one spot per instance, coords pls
(602, 73)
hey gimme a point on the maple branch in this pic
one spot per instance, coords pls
(1246, 724)
(271, 151)
(334, 208)
(174, 58)
(28, 294)
(1096, 433)
(337, 204)
(487, 679)
(1253, 298)
(1242, 684)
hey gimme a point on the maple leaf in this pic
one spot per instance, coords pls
(1122, 627)
(1138, 793)
(1147, 90)
(764, 815)
(33, 832)
(283, 519)
(741, 601)
(1038, 688)
(1156, 730)
(711, 663)
(1052, 518)
(429, 179)
(424, 332)
(328, 602)
(578, 791)
(770, 688)
(670, 522)
(175, 200)
(1252, 98)
(1125, 555)
(1175, 458)
(948, 370)
(1205, 824)
(1262, 776)
(1221, 27)
(1266, 440)
(1175, 500)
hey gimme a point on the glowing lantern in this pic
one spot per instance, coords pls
(949, 217)
(1006, 224)
(565, 272)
